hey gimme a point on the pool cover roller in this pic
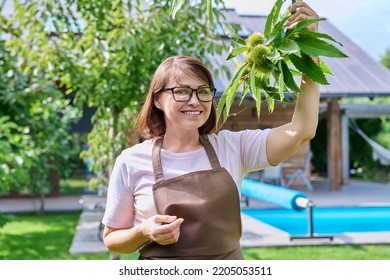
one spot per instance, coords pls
(278, 195)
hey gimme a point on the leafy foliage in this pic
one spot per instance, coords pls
(34, 117)
(273, 58)
(385, 59)
(102, 54)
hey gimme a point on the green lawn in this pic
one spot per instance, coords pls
(48, 237)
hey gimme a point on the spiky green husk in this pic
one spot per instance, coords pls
(254, 39)
(258, 56)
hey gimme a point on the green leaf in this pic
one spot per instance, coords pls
(277, 34)
(316, 47)
(231, 96)
(274, 55)
(288, 77)
(231, 33)
(228, 95)
(308, 33)
(236, 51)
(210, 14)
(272, 17)
(221, 106)
(276, 37)
(301, 25)
(243, 94)
(281, 85)
(227, 72)
(252, 81)
(255, 90)
(175, 7)
(271, 93)
(325, 68)
(270, 101)
(307, 66)
(288, 47)
(265, 84)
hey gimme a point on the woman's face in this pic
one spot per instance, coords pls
(183, 116)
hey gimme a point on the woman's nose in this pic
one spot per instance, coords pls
(194, 99)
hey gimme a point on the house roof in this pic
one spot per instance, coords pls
(359, 75)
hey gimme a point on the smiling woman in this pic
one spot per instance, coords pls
(176, 195)
(176, 79)
(180, 100)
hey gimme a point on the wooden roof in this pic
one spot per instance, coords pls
(359, 75)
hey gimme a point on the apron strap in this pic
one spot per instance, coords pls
(156, 159)
(210, 152)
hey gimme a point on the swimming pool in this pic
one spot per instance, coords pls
(326, 220)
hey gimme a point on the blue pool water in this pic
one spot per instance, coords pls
(326, 220)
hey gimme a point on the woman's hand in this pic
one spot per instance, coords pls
(163, 229)
(301, 11)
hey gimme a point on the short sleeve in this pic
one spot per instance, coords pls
(242, 151)
(119, 211)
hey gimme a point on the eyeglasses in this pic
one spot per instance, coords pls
(183, 94)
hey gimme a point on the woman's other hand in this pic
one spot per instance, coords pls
(163, 229)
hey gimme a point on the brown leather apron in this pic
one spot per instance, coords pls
(208, 201)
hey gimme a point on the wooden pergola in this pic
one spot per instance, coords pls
(359, 75)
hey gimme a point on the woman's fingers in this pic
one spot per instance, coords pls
(301, 11)
(168, 233)
(298, 5)
(166, 228)
(162, 219)
(163, 229)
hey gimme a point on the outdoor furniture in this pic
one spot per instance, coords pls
(273, 174)
(300, 172)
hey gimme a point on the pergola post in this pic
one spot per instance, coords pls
(334, 144)
(345, 148)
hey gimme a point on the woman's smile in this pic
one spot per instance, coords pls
(191, 113)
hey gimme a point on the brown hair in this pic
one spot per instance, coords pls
(151, 122)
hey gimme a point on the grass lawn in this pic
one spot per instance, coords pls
(48, 237)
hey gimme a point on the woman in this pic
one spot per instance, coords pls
(176, 195)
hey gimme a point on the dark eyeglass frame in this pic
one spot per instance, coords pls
(213, 91)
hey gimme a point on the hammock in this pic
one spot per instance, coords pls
(378, 152)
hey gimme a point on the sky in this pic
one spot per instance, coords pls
(365, 22)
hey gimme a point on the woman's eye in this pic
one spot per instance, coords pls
(181, 92)
(204, 91)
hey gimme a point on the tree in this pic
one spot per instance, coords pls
(104, 53)
(34, 120)
(385, 59)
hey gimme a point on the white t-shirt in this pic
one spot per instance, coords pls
(130, 196)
